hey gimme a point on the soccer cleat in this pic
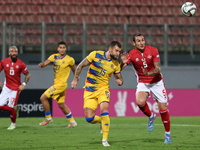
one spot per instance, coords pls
(151, 122)
(17, 108)
(72, 125)
(167, 138)
(100, 129)
(105, 143)
(45, 122)
(12, 127)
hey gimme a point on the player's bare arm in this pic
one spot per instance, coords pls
(27, 77)
(82, 64)
(124, 60)
(73, 68)
(119, 79)
(154, 71)
(44, 64)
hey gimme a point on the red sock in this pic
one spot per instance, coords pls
(12, 112)
(145, 109)
(165, 119)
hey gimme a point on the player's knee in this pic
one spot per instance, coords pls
(89, 119)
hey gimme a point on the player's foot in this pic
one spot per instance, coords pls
(167, 138)
(72, 125)
(17, 108)
(151, 122)
(45, 122)
(105, 143)
(12, 127)
(100, 129)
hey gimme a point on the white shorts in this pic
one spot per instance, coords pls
(8, 97)
(158, 90)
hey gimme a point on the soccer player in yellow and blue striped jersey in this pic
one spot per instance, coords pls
(101, 66)
(61, 65)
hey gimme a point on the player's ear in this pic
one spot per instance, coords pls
(134, 43)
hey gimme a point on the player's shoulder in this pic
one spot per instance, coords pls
(115, 62)
(68, 57)
(132, 51)
(98, 52)
(151, 48)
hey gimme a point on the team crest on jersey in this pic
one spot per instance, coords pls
(63, 62)
(143, 59)
(7, 65)
(112, 66)
(149, 56)
(11, 68)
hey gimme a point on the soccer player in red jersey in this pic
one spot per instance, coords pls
(146, 65)
(13, 67)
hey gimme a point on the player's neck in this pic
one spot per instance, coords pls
(61, 55)
(108, 55)
(140, 50)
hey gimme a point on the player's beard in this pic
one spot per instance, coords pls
(113, 57)
(14, 59)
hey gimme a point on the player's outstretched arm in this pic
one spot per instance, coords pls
(27, 77)
(44, 64)
(119, 79)
(82, 64)
(124, 60)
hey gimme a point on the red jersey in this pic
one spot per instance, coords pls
(13, 72)
(145, 60)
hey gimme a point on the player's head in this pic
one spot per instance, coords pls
(138, 41)
(62, 47)
(114, 49)
(13, 53)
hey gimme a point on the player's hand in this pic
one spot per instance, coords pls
(21, 87)
(40, 65)
(124, 58)
(145, 71)
(74, 84)
(1, 85)
(119, 82)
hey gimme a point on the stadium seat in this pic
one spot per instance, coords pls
(114, 3)
(101, 41)
(167, 20)
(59, 18)
(134, 19)
(91, 41)
(116, 30)
(125, 2)
(19, 2)
(90, 19)
(69, 10)
(177, 3)
(188, 20)
(166, 11)
(101, 19)
(157, 31)
(81, 2)
(103, 2)
(49, 2)
(69, 19)
(36, 9)
(46, 18)
(112, 10)
(157, 41)
(156, 11)
(145, 11)
(186, 41)
(168, 3)
(78, 40)
(36, 18)
(176, 20)
(92, 10)
(156, 20)
(196, 31)
(92, 2)
(123, 19)
(70, 2)
(69, 41)
(38, 2)
(59, 10)
(79, 19)
(124, 11)
(196, 41)
(26, 9)
(91, 30)
(176, 11)
(144, 30)
(25, 18)
(146, 3)
(4, 9)
(35, 40)
(102, 10)
(101, 30)
(80, 10)
(47, 9)
(60, 2)
(133, 30)
(135, 2)
(26, 40)
(145, 20)
(14, 18)
(15, 9)
(112, 19)
(134, 11)
(176, 41)
(157, 3)
(186, 31)
(4, 18)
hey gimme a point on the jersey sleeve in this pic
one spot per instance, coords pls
(72, 61)
(129, 59)
(51, 58)
(118, 69)
(91, 56)
(156, 56)
(24, 68)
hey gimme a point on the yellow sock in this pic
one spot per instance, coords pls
(69, 117)
(97, 119)
(105, 124)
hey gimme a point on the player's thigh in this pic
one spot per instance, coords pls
(13, 99)
(159, 92)
(104, 96)
(60, 98)
(90, 100)
(142, 93)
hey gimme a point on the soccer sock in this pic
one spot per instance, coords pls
(97, 119)
(145, 109)
(12, 112)
(70, 118)
(48, 115)
(105, 124)
(165, 119)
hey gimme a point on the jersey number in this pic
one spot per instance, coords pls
(103, 71)
(12, 72)
(145, 64)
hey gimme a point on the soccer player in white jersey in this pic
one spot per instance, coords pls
(13, 67)
(146, 64)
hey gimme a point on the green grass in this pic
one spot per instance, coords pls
(125, 133)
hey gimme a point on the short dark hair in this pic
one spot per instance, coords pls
(62, 42)
(113, 43)
(137, 34)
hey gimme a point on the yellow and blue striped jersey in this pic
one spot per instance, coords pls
(61, 67)
(100, 71)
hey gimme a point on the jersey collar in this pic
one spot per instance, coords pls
(106, 57)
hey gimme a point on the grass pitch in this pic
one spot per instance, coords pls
(125, 133)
